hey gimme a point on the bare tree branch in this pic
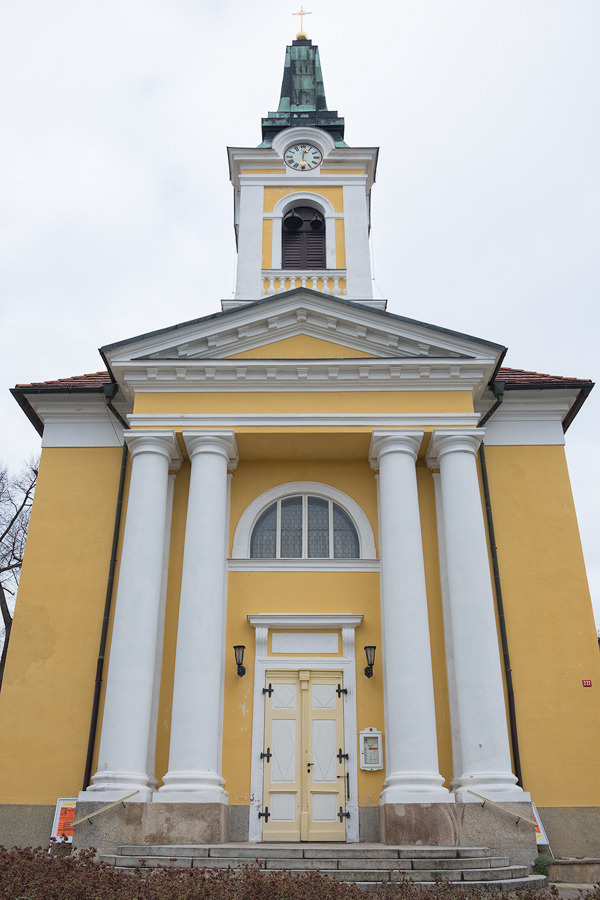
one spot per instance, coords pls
(16, 498)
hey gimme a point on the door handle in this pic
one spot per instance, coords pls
(308, 765)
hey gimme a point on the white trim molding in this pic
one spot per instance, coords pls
(243, 532)
(314, 200)
(303, 565)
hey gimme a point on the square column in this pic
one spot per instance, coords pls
(410, 729)
(482, 722)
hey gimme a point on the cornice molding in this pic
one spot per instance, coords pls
(306, 622)
(241, 375)
(300, 420)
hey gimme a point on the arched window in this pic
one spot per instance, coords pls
(304, 527)
(303, 239)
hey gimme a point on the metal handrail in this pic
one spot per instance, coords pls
(505, 808)
(104, 808)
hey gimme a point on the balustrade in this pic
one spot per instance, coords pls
(276, 281)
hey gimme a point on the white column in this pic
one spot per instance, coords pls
(195, 752)
(484, 746)
(412, 770)
(123, 755)
(356, 227)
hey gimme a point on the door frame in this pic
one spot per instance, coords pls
(346, 663)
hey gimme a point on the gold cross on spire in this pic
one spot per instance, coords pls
(302, 13)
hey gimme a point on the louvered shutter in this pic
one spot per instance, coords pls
(304, 248)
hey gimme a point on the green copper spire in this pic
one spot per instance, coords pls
(302, 100)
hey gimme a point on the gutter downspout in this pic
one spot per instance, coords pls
(498, 391)
(109, 392)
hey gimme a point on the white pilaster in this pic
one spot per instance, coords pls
(356, 227)
(484, 745)
(195, 752)
(123, 755)
(412, 770)
(249, 261)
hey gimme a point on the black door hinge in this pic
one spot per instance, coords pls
(340, 690)
(266, 814)
(267, 755)
(343, 815)
(341, 756)
(268, 690)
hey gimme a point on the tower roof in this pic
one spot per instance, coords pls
(302, 100)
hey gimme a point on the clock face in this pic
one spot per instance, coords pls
(303, 157)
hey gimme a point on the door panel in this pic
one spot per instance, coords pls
(304, 777)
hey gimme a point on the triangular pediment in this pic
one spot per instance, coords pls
(305, 313)
(302, 346)
(307, 326)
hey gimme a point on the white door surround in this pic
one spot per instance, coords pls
(346, 663)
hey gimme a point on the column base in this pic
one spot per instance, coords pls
(192, 787)
(414, 787)
(501, 787)
(109, 785)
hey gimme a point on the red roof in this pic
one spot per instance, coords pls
(521, 376)
(93, 380)
(509, 376)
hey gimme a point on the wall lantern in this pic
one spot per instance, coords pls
(370, 653)
(239, 658)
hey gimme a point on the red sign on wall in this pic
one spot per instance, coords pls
(586, 682)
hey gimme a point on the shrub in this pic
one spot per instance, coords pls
(27, 874)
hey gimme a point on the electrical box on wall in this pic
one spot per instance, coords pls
(371, 749)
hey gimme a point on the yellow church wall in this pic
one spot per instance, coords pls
(550, 625)
(302, 346)
(340, 245)
(267, 243)
(334, 194)
(46, 697)
(260, 402)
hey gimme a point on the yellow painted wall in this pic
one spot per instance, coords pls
(306, 402)
(302, 346)
(332, 193)
(267, 243)
(340, 244)
(46, 697)
(550, 624)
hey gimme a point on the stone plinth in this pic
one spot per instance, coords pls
(461, 825)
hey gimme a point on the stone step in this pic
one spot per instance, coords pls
(305, 851)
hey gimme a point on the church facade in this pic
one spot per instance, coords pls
(303, 569)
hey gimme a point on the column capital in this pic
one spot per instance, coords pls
(396, 441)
(453, 440)
(163, 443)
(220, 442)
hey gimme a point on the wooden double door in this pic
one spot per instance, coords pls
(305, 778)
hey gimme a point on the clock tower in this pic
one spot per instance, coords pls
(302, 197)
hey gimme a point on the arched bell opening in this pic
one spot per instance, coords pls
(303, 239)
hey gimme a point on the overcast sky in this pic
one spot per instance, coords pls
(116, 209)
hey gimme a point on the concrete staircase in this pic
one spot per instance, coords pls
(364, 864)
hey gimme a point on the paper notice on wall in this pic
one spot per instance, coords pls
(540, 835)
(64, 816)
